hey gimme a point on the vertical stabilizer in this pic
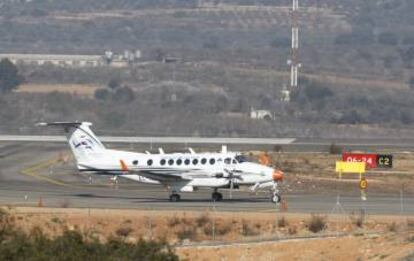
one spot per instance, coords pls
(84, 144)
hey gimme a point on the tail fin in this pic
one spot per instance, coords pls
(82, 141)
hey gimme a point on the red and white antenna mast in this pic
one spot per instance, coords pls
(294, 62)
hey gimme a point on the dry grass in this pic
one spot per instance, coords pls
(178, 226)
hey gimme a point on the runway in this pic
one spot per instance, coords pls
(26, 179)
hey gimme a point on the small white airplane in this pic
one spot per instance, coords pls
(179, 172)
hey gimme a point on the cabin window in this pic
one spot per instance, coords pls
(162, 162)
(187, 162)
(203, 161)
(212, 161)
(227, 160)
(179, 161)
(170, 162)
(195, 161)
(135, 162)
(149, 162)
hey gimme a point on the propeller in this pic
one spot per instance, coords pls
(231, 177)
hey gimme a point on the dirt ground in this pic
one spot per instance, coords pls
(389, 246)
(79, 89)
(363, 238)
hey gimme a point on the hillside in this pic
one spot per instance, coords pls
(357, 65)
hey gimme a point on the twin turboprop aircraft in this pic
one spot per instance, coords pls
(180, 172)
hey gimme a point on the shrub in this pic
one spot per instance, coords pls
(101, 94)
(174, 221)
(114, 83)
(202, 219)
(358, 220)
(123, 231)
(316, 92)
(16, 245)
(247, 230)
(65, 203)
(316, 223)
(293, 230)
(56, 220)
(187, 233)
(410, 223)
(392, 227)
(224, 229)
(335, 149)
(124, 94)
(282, 222)
(10, 78)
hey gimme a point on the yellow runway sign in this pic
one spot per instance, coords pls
(350, 167)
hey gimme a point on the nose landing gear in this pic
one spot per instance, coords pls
(275, 196)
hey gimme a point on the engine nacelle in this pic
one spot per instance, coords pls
(265, 185)
(187, 189)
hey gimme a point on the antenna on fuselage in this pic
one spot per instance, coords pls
(223, 148)
(147, 152)
(191, 150)
(161, 151)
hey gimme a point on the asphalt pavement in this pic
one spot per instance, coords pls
(27, 178)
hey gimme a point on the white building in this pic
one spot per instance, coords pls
(261, 114)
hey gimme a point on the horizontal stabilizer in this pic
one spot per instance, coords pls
(63, 124)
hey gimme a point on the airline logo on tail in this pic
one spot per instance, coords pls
(84, 142)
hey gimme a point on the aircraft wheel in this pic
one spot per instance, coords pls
(276, 198)
(175, 198)
(216, 196)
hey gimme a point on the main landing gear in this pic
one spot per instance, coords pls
(216, 196)
(174, 197)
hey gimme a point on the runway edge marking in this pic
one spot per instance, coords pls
(31, 171)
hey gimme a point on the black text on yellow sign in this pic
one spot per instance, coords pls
(363, 183)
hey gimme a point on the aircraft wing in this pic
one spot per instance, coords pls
(162, 175)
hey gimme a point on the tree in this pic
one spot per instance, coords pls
(10, 78)
(124, 94)
(101, 94)
(411, 83)
(114, 83)
(387, 38)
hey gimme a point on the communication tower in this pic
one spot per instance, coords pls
(294, 60)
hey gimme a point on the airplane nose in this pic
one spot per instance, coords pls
(277, 175)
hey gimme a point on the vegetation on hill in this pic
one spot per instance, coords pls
(357, 56)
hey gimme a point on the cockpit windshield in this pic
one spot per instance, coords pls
(241, 158)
